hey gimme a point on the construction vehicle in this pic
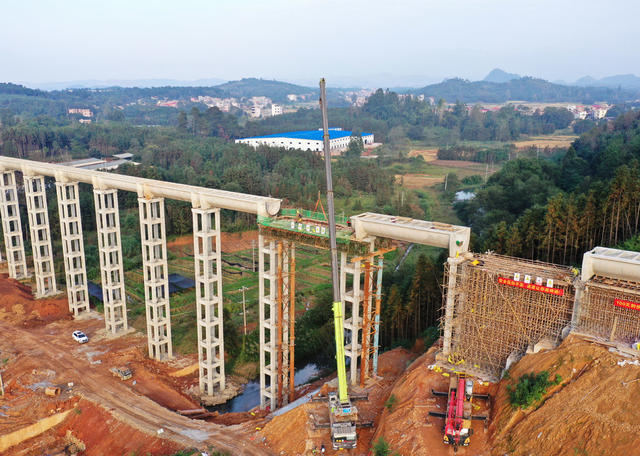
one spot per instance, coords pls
(342, 415)
(457, 425)
(123, 372)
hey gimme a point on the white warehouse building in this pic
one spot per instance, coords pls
(307, 140)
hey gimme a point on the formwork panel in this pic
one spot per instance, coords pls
(497, 314)
(610, 309)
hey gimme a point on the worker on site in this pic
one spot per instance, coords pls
(322, 449)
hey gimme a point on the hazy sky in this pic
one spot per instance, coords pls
(301, 40)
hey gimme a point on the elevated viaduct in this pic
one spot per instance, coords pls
(495, 307)
(277, 239)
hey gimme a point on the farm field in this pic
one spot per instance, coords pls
(312, 275)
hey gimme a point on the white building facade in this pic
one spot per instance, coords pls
(311, 140)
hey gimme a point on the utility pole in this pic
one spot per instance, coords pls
(446, 176)
(244, 311)
(1, 385)
(253, 255)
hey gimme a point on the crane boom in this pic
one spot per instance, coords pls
(342, 372)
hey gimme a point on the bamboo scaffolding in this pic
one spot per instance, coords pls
(492, 321)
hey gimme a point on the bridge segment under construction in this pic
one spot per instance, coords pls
(364, 239)
(495, 307)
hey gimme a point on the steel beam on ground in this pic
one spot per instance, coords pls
(110, 252)
(73, 246)
(208, 274)
(156, 277)
(12, 226)
(38, 214)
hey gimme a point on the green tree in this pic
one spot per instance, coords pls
(356, 147)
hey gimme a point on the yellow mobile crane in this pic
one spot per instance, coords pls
(342, 415)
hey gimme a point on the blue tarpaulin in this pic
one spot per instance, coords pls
(95, 290)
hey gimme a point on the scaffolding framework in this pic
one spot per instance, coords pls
(156, 277)
(72, 246)
(599, 316)
(110, 248)
(489, 322)
(12, 226)
(36, 196)
(208, 274)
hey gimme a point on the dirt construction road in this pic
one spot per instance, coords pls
(93, 381)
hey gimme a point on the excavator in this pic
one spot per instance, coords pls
(457, 426)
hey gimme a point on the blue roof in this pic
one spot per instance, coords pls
(311, 135)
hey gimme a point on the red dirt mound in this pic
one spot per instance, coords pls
(18, 304)
(592, 411)
(406, 426)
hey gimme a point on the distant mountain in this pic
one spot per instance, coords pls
(624, 81)
(141, 83)
(498, 75)
(523, 89)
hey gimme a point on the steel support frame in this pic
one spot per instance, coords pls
(36, 196)
(208, 274)
(73, 246)
(156, 277)
(110, 248)
(12, 226)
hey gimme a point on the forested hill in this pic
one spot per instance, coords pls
(7, 88)
(523, 89)
(555, 211)
(253, 87)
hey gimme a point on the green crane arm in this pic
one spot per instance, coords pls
(342, 371)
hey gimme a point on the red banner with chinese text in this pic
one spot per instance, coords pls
(531, 286)
(626, 304)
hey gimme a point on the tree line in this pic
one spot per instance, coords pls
(556, 210)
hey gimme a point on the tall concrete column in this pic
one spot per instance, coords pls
(36, 196)
(73, 246)
(267, 264)
(156, 277)
(109, 245)
(12, 226)
(352, 301)
(208, 273)
(450, 303)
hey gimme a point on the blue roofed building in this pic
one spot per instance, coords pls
(307, 140)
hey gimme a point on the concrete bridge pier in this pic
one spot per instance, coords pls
(109, 245)
(36, 196)
(73, 246)
(208, 274)
(156, 277)
(12, 226)
(352, 302)
(267, 281)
